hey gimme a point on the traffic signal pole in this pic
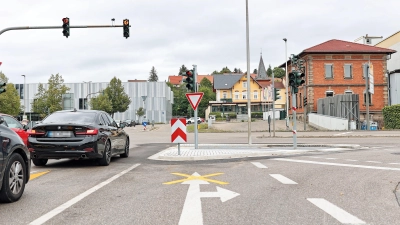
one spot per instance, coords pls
(273, 105)
(294, 119)
(196, 133)
(57, 27)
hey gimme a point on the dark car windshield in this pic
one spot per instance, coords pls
(71, 117)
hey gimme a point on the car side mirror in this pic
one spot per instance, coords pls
(1, 120)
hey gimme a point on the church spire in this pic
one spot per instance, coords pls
(262, 72)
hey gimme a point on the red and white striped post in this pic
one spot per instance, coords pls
(178, 132)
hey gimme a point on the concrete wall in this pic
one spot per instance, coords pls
(327, 122)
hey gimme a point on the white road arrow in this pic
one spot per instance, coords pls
(191, 212)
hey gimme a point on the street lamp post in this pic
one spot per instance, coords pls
(24, 93)
(287, 87)
(248, 75)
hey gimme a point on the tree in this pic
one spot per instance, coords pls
(279, 72)
(208, 96)
(3, 77)
(101, 102)
(119, 99)
(240, 71)
(182, 69)
(153, 75)
(269, 71)
(235, 70)
(254, 71)
(50, 100)
(215, 72)
(9, 100)
(140, 112)
(225, 70)
(206, 83)
(180, 106)
(54, 93)
(39, 103)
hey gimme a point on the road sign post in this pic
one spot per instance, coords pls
(178, 132)
(194, 100)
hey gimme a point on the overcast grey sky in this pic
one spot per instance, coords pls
(168, 33)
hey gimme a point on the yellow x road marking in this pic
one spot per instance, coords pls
(36, 175)
(191, 177)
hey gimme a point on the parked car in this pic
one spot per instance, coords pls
(14, 165)
(77, 134)
(191, 120)
(16, 126)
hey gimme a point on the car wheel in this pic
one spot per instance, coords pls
(14, 179)
(39, 162)
(105, 161)
(126, 154)
(189, 122)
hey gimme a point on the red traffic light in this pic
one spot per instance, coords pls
(189, 73)
(65, 20)
(126, 22)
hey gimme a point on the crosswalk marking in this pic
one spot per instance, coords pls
(282, 179)
(336, 212)
(259, 165)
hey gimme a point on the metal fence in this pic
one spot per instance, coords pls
(343, 106)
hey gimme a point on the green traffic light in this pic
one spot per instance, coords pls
(276, 94)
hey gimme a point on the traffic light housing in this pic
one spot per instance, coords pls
(299, 79)
(292, 79)
(276, 94)
(125, 23)
(65, 26)
(190, 80)
(2, 87)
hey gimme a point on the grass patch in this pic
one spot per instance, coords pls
(202, 128)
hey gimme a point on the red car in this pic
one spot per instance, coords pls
(15, 125)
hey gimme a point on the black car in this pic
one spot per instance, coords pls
(77, 134)
(14, 165)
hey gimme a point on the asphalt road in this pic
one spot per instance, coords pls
(351, 187)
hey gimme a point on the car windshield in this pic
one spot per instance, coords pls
(71, 117)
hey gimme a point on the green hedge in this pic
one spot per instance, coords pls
(391, 116)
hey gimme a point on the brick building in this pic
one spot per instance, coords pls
(336, 67)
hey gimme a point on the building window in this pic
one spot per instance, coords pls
(348, 92)
(329, 93)
(83, 103)
(244, 94)
(255, 96)
(348, 71)
(370, 98)
(236, 94)
(244, 84)
(328, 71)
(224, 94)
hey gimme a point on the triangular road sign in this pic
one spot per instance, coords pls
(194, 99)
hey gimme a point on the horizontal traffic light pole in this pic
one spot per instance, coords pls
(58, 27)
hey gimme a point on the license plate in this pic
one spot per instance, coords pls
(59, 134)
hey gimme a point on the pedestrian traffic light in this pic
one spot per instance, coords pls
(276, 94)
(2, 87)
(65, 26)
(126, 28)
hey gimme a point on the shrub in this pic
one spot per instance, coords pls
(391, 116)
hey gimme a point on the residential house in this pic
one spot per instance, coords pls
(232, 94)
(177, 80)
(336, 67)
(393, 67)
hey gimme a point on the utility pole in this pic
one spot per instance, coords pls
(273, 105)
(248, 74)
(287, 87)
(367, 95)
(305, 106)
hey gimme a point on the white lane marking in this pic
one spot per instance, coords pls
(71, 202)
(336, 212)
(282, 179)
(259, 165)
(395, 163)
(352, 160)
(373, 162)
(33, 171)
(342, 133)
(338, 164)
(330, 158)
(315, 157)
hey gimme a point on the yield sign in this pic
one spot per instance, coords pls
(178, 130)
(194, 99)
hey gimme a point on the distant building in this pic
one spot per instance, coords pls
(393, 66)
